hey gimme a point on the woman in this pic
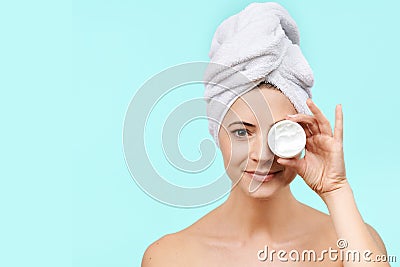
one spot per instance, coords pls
(261, 223)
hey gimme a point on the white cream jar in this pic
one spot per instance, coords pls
(286, 139)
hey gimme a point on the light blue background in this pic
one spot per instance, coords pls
(69, 70)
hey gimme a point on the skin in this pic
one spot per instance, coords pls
(267, 214)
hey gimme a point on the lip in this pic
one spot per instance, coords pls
(262, 176)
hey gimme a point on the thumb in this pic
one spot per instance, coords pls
(294, 163)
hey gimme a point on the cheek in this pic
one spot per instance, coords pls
(234, 153)
(225, 145)
(233, 159)
(226, 155)
(290, 174)
(226, 149)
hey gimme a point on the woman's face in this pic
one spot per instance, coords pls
(243, 141)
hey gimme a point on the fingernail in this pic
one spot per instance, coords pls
(292, 116)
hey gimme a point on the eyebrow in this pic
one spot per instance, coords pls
(249, 124)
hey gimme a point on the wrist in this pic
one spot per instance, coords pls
(343, 191)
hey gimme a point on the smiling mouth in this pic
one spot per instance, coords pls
(262, 173)
(262, 176)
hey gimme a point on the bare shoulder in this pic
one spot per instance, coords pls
(377, 238)
(166, 251)
(177, 249)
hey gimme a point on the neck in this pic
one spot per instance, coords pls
(271, 217)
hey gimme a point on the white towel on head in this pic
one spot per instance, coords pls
(259, 44)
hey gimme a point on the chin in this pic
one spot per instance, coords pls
(264, 193)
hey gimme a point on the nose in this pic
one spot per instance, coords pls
(259, 149)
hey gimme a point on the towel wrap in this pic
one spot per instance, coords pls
(259, 44)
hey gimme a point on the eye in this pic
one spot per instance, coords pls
(240, 132)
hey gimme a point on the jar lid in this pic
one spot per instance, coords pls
(286, 139)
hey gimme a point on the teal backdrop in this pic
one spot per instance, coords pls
(69, 70)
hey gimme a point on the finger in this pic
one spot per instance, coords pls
(310, 146)
(324, 124)
(308, 120)
(306, 129)
(338, 131)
